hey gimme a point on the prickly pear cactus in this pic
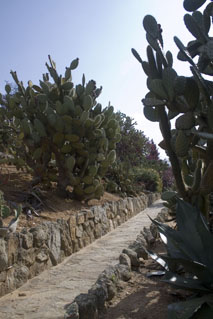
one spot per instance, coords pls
(188, 100)
(4, 209)
(66, 136)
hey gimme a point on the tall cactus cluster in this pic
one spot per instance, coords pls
(64, 134)
(188, 100)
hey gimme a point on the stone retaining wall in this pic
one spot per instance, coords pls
(26, 254)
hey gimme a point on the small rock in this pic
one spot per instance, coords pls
(123, 272)
(148, 236)
(125, 260)
(72, 311)
(133, 257)
(87, 305)
(138, 247)
(99, 289)
(21, 294)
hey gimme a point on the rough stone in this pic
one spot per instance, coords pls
(118, 219)
(73, 233)
(13, 244)
(27, 240)
(98, 231)
(72, 311)
(80, 218)
(72, 221)
(39, 236)
(79, 231)
(90, 214)
(3, 232)
(86, 241)
(3, 276)
(80, 243)
(26, 256)
(125, 260)
(138, 247)
(87, 305)
(54, 242)
(97, 214)
(75, 245)
(3, 255)
(42, 255)
(154, 230)
(133, 257)
(123, 272)
(99, 289)
(66, 240)
(148, 236)
(21, 274)
(111, 227)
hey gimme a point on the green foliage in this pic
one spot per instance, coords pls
(187, 99)
(132, 147)
(150, 178)
(64, 134)
(188, 262)
(120, 181)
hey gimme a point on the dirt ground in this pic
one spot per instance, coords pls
(144, 297)
(15, 184)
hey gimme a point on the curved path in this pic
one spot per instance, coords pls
(46, 295)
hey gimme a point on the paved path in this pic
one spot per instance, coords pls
(46, 295)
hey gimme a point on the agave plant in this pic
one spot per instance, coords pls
(188, 262)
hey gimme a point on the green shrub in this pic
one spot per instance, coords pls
(150, 178)
(120, 181)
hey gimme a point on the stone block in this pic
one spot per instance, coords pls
(72, 221)
(27, 240)
(13, 244)
(3, 255)
(80, 218)
(73, 233)
(79, 231)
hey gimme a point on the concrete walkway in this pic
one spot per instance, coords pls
(46, 295)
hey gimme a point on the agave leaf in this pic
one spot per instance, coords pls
(187, 216)
(207, 240)
(184, 283)
(201, 271)
(157, 258)
(174, 242)
(155, 273)
(186, 309)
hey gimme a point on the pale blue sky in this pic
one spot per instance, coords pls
(100, 33)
